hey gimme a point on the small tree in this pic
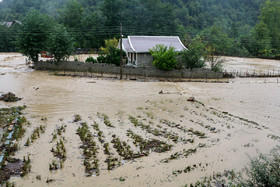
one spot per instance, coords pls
(193, 57)
(113, 57)
(33, 34)
(60, 43)
(164, 58)
(215, 62)
(110, 45)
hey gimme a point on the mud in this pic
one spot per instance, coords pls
(251, 65)
(228, 123)
(13, 168)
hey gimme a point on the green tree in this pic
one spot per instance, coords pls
(33, 34)
(261, 44)
(193, 57)
(113, 57)
(92, 30)
(218, 38)
(270, 16)
(71, 16)
(163, 57)
(110, 45)
(111, 10)
(215, 62)
(60, 43)
(110, 54)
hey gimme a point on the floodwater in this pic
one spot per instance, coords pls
(251, 65)
(238, 119)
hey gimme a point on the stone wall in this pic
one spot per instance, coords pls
(130, 71)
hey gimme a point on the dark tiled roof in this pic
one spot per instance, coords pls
(142, 44)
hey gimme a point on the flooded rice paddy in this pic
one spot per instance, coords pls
(96, 132)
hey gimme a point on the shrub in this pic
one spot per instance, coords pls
(263, 170)
(193, 57)
(215, 62)
(91, 59)
(164, 58)
(102, 59)
(111, 58)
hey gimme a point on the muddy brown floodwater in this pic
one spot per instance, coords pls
(230, 123)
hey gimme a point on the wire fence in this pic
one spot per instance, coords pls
(253, 73)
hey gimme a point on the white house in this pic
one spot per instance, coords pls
(137, 48)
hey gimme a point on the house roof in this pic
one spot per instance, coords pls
(9, 24)
(142, 44)
(126, 45)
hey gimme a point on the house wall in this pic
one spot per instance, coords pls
(144, 60)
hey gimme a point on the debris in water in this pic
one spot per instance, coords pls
(191, 99)
(9, 97)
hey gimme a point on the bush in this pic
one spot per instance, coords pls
(263, 170)
(164, 58)
(111, 58)
(102, 59)
(193, 57)
(91, 59)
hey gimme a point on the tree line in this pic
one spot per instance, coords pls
(233, 27)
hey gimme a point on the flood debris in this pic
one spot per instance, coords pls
(191, 99)
(9, 97)
(146, 146)
(12, 121)
(14, 167)
(185, 153)
(155, 131)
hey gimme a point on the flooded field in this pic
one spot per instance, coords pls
(251, 65)
(127, 133)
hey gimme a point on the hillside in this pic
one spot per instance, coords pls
(232, 27)
(193, 15)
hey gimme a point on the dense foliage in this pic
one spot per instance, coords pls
(60, 43)
(39, 33)
(110, 54)
(164, 58)
(193, 57)
(232, 27)
(33, 35)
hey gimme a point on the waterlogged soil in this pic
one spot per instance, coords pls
(251, 65)
(227, 124)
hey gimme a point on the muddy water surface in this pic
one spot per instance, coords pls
(236, 118)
